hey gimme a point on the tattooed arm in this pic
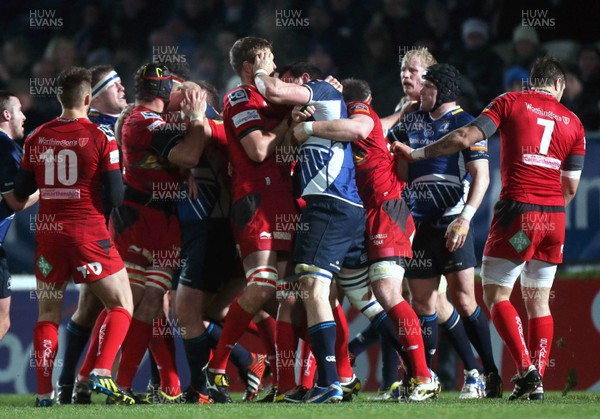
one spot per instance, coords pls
(449, 144)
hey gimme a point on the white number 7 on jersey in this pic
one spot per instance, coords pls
(548, 125)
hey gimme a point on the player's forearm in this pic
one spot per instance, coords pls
(32, 200)
(187, 153)
(477, 190)
(271, 88)
(260, 145)
(569, 188)
(449, 144)
(389, 121)
(279, 92)
(19, 205)
(339, 130)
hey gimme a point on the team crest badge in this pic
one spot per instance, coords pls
(44, 266)
(83, 141)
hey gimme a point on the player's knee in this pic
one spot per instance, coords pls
(136, 275)
(263, 276)
(357, 290)
(186, 312)
(464, 303)
(537, 308)
(127, 304)
(314, 281)
(423, 307)
(488, 299)
(86, 314)
(385, 269)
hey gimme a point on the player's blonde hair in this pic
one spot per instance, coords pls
(422, 54)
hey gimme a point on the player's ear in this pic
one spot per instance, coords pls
(247, 67)
(6, 115)
(305, 78)
(87, 100)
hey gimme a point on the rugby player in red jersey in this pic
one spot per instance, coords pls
(108, 100)
(389, 223)
(207, 285)
(542, 154)
(68, 159)
(145, 228)
(262, 195)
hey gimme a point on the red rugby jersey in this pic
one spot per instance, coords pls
(246, 110)
(67, 158)
(376, 173)
(143, 169)
(537, 134)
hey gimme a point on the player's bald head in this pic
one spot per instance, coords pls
(246, 49)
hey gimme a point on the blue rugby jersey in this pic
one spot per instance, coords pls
(213, 199)
(437, 187)
(328, 166)
(10, 160)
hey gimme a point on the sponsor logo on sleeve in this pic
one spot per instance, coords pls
(360, 107)
(107, 130)
(480, 146)
(238, 96)
(149, 115)
(246, 116)
(114, 156)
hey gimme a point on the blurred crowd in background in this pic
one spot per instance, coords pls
(492, 42)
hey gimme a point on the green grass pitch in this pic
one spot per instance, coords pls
(573, 405)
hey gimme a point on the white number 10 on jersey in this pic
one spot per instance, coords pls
(65, 162)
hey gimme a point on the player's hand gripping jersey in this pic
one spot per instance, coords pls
(67, 158)
(211, 180)
(328, 166)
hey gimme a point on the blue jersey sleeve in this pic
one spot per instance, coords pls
(10, 159)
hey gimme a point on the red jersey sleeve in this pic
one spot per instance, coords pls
(360, 108)
(499, 108)
(245, 115)
(218, 133)
(109, 153)
(579, 146)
